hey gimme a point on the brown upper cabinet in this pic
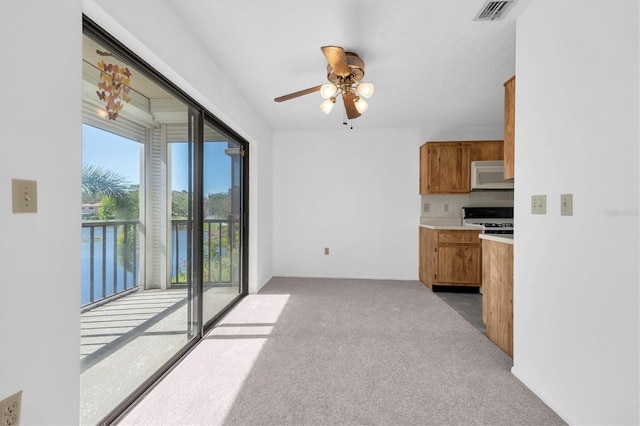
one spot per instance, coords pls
(445, 167)
(509, 127)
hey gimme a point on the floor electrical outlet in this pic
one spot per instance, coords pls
(10, 410)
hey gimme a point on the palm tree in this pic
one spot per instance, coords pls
(98, 182)
(117, 197)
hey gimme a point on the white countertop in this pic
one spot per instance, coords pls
(500, 238)
(448, 227)
(446, 223)
(455, 224)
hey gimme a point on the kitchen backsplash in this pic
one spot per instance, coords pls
(450, 205)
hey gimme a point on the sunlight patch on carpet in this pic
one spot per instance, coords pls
(218, 368)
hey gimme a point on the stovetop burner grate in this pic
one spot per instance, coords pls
(491, 220)
(495, 225)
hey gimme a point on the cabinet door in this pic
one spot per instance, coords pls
(427, 245)
(448, 168)
(432, 257)
(509, 127)
(459, 264)
(424, 162)
(497, 296)
(423, 271)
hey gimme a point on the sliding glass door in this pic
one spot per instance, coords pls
(222, 230)
(163, 226)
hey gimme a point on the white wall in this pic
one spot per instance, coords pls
(40, 138)
(576, 278)
(179, 56)
(354, 191)
(469, 133)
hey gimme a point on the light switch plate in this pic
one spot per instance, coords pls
(566, 204)
(538, 204)
(25, 196)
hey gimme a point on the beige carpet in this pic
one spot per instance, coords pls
(342, 352)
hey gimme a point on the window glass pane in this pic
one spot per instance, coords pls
(221, 227)
(110, 260)
(134, 315)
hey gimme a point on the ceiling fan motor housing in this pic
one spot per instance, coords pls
(356, 68)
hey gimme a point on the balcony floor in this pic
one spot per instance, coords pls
(125, 341)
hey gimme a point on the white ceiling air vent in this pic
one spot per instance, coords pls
(493, 10)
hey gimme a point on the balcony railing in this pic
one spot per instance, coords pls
(220, 242)
(110, 261)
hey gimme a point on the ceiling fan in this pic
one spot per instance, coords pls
(345, 71)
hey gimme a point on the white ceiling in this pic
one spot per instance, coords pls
(432, 65)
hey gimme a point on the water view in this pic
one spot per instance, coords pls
(112, 266)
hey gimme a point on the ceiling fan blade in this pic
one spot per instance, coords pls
(297, 94)
(350, 106)
(337, 60)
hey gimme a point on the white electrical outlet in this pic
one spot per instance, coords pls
(426, 208)
(446, 208)
(538, 204)
(10, 410)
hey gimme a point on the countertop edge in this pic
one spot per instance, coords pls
(497, 238)
(448, 227)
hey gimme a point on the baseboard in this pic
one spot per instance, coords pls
(543, 396)
(340, 277)
(265, 282)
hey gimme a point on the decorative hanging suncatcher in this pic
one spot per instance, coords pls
(113, 87)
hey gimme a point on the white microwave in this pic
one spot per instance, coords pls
(489, 175)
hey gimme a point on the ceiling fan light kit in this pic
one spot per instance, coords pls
(327, 106)
(328, 90)
(344, 71)
(365, 89)
(361, 105)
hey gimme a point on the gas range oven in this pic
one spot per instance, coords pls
(490, 220)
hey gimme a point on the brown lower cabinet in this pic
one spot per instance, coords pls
(450, 257)
(497, 293)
